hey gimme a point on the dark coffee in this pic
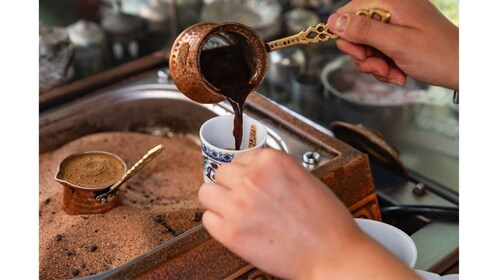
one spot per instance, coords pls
(228, 69)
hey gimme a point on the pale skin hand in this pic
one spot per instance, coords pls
(270, 211)
(422, 43)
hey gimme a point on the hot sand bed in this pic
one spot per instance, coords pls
(157, 204)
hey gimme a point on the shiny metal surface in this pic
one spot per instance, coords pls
(423, 126)
(60, 120)
(311, 158)
(283, 66)
(262, 16)
(299, 19)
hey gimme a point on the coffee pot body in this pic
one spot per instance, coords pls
(185, 66)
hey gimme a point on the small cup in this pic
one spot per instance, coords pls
(218, 143)
(393, 239)
(81, 188)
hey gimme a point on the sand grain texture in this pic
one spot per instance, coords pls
(157, 204)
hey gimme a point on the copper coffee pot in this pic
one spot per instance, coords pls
(81, 199)
(184, 60)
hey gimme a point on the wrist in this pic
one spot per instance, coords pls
(337, 262)
(359, 257)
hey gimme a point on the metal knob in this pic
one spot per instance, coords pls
(420, 189)
(311, 158)
(163, 76)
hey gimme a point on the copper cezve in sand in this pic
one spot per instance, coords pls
(91, 180)
(86, 175)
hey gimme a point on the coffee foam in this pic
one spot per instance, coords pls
(92, 170)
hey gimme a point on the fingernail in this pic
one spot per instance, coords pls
(340, 23)
(395, 82)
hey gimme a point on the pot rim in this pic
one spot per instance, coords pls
(255, 41)
(95, 189)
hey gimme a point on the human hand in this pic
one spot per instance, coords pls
(270, 211)
(418, 41)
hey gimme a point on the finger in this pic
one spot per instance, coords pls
(357, 51)
(381, 78)
(382, 69)
(354, 50)
(396, 76)
(374, 65)
(228, 174)
(214, 197)
(369, 51)
(248, 157)
(364, 30)
(214, 224)
(223, 232)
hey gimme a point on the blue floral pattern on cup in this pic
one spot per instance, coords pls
(216, 155)
(209, 168)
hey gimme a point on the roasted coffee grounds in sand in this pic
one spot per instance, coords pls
(229, 70)
(92, 170)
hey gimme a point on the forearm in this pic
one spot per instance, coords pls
(361, 258)
(455, 66)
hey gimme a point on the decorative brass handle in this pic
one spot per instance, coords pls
(151, 154)
(320, 32)
(377, 14)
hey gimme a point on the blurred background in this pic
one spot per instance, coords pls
(107, 33)
(81, 38)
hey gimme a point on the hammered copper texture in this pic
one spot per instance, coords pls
(184, 61)
(81, 201)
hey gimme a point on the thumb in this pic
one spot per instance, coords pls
(363, 30)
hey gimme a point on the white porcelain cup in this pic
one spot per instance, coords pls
(393, 239)
(218, 142)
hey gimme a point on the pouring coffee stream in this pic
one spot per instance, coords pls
(212, 62)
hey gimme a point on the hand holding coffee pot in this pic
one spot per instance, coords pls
(190, 75)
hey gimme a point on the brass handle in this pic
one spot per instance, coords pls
(377, 14)
(320, 32)
(151, 154)
(313, 34)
